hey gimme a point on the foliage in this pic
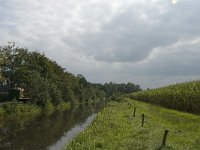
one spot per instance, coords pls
(3, 96)
(184, 96)
(63, 106)
(116, 128)
(112, 89)
(48, 108)
(46, 83)
(18, 111)
(44, 80)
(2, 112)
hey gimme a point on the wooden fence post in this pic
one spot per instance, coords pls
(165, 137)
(134, 112)
(142, 120)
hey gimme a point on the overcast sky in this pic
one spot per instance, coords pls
(148, 42)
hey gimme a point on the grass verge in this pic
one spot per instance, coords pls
(116, 128)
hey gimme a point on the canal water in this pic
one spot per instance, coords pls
(46, 132)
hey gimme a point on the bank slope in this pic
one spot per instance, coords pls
(116, 128)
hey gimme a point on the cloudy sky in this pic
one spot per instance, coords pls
(148, 42)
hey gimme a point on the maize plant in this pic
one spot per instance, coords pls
(182, 96)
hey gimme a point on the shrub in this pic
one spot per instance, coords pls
(63, 106)
(19, 111)
(48, 108)
(2, 113)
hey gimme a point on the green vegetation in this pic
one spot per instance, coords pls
(44, 81)
(116, 128)
(51, 88)
(113, 89)
(183, 96)
(18, 112)
(47, 84)
(3, 96)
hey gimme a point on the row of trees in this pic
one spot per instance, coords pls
(111, 88)
(45, 81)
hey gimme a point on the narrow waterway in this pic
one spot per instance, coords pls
(46, 133)
(65, 139)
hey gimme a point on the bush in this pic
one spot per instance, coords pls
(116, 98)
(48, 108)
(2, 113)
(19, 111)
(63, 106)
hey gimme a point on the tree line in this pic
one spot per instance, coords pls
(112, 89)
(43, 80)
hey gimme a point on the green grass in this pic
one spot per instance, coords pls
(19, 112)
(63, 106)
(115, 128)
(182, 96)
(15, 109)
(49, 108)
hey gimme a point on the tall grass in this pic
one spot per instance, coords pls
(49, 108)
(16, 111)
(18, 114)
(182, 96)
(115, 128)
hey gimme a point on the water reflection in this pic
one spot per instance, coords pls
(72, 133)
(44, 132)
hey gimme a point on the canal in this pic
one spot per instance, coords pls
(46, 132)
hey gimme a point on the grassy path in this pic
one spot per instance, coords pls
(115, 128)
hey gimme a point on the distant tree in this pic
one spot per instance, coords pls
(111, 88)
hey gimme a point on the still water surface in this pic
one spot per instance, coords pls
(46, 133)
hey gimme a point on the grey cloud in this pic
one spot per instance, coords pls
(183, 59)
(132, 35)
(110, 40)
(179, 59)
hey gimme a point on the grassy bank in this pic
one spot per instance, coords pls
(18, 113)
(116, 128)
(182, 96)
(18, 110)
(25, 112)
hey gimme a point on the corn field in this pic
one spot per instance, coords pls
(182, 96)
